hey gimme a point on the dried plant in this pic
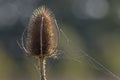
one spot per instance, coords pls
(42, 37)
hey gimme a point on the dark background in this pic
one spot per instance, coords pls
(91, 26)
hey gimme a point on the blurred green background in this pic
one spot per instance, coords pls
(92, 27)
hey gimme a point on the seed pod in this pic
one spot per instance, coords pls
(42, 36)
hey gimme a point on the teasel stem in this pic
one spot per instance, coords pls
(42, 68)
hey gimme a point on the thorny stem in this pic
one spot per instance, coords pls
(42, 68)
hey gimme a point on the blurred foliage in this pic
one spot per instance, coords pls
(92, 27)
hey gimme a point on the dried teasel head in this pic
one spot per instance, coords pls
(42, 35)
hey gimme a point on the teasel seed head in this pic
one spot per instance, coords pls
(42, 34)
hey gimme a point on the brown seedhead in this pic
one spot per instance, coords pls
(42, 36)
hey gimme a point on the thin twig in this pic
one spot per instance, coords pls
(42, 68)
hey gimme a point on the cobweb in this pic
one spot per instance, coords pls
(79, 53)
